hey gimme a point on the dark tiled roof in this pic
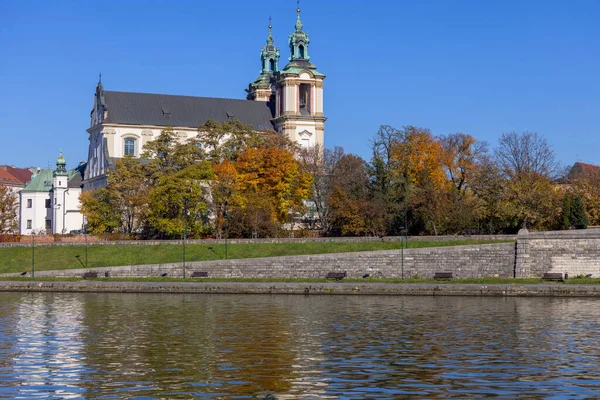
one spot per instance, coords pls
(169, 110)
(75, 181)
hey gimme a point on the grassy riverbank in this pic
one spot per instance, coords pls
(17, 259)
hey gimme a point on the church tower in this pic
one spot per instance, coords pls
(262, 87)
(299, 94)
(61, 178)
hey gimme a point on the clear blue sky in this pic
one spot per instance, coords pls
(477, 67)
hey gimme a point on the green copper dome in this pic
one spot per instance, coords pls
(61, 160)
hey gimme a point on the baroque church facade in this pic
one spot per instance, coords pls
(288, 101)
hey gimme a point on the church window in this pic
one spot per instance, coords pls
(271, 65)
(48, 205)
(28, 224)
(129, 147)
(48, 224)
(301, 51)
(304, 99)
(29, 203)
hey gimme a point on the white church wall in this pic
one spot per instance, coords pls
(34, 214)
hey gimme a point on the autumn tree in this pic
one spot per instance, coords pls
(462, 155)
(584, 182)
(349, 197)
(274, 173)
(319, 163)
(9, 204)
(488, 186)
(528, 165)
(228, 140)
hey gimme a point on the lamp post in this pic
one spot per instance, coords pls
(225, 216)
(86, 249)
(402, 252)
(185, 212)
(32, 255)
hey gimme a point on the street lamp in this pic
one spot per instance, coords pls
(32, 254)
(402, 251)
(226, 226)
(185, 212)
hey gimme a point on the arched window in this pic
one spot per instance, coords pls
(272, 65)
(129, 147)
(304, 99)
(301, 51)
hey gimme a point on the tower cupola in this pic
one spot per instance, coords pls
(261, 88)
(299, 41)
(299, 89)
(61, 165)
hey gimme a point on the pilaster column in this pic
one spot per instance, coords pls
(522, 258)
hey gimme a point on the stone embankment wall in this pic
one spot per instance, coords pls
(474, 261)
(338, 288)
(97, 242)
(575, 252)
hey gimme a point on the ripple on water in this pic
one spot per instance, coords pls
(182, 346)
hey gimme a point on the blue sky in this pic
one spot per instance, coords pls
(471, 66)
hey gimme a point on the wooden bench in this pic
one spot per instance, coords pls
(553, 276)
(443, 275)
(90, 275)
(199, 274)
(335, 275)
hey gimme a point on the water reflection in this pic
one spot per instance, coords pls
(228, 346)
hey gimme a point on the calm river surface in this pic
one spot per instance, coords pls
(248, 346)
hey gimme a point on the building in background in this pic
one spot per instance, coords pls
(49, 203)
(289, 101)
(15, 178)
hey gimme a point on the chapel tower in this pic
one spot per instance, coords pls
(299, 94)
(262, 88)
(60, 187)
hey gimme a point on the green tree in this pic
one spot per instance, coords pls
(579, 217)
(178, 202)
(566, 212)
(167, 154)
(228, 140)
(101, 210)
(129, 185)
(9, 205)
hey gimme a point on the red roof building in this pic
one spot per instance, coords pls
(14, 177)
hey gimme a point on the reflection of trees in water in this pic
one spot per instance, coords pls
(178, 345)
(9, 320)
(183, 343)
(46, 344)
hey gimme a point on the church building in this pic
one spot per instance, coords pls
(50, 201)
(289, 101)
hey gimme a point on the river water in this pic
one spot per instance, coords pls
(58, 345)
